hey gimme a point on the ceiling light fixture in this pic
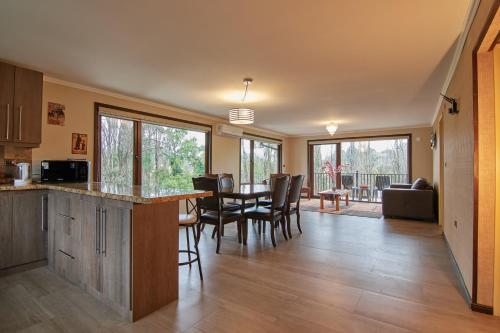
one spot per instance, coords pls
(332, 127)
(242, 116)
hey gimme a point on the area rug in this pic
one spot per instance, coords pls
(362, 209)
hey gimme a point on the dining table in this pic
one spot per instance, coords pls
(246, 192)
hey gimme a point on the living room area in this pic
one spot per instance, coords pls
(365, 168)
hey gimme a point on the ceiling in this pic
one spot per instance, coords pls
(368, 64)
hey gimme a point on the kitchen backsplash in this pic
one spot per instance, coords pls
(9, 155)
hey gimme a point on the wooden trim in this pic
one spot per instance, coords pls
(97, 145)
(262, 136)
(486, 309)
(147, 114)
(475, 106)
(310, 167)
(252, 169)
(360, 137)
(338, 157)
(410, 158)
(137, 165)
(280, 158)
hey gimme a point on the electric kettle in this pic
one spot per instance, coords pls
(23, 174)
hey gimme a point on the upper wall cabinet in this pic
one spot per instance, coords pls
(20, 105)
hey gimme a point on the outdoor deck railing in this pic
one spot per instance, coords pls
(323, 182)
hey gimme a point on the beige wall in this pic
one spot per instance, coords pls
(421, 151)
(458, 139)
(79, 103)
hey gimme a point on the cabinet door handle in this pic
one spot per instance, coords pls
(7, 123)
(66, 216)
(44, 220)
(66, 254)
(104, 232)
(97, 230)
(20, 122)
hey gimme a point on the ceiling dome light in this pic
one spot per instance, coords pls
(332, 127)
(242, 116)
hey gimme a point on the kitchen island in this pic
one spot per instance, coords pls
(118, 243)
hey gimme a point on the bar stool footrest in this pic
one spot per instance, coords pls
(189, 261)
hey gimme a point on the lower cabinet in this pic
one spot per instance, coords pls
(5, 230)
(92, 246)
(23, 227)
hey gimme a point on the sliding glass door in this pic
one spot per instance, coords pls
(368, 165)
(258, 160)
(135, 152)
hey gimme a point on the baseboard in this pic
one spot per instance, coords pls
(481, 308)
(465, 293)
(22, 268)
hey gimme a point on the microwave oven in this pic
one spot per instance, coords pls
(65, 171)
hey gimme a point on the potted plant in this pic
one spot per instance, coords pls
(332, 171)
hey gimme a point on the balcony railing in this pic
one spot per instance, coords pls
(364, 185)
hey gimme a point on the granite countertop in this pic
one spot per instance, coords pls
(135, 194)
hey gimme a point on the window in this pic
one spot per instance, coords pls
(136, 151)
(374, 162)
(117, 150)
(258, 160)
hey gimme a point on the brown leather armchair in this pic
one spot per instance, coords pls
(401, 201)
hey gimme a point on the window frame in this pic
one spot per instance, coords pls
(339, 141)
(252, 138)
(137, 167)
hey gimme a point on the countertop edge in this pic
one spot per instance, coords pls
(119, 197)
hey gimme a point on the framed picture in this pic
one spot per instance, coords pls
(56, 114)
(79, 143)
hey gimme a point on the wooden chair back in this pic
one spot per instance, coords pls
(212, 203)
(280, 192)
(295, 186)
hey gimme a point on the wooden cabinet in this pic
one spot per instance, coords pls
(67, 232)
(115, 254)
(29, 234)
(20, 105)
(5, 230)
(7, 73)
(23, 227)
(91, 256)
(97, 257)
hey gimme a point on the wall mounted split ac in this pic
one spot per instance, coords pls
(229, 131)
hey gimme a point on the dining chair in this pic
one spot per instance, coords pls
(226, 181)
(272, 180)
(210, 209)
(190, 220)
(273, 213)
(381, 183)
(292, 205)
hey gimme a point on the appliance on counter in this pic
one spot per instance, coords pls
(23, 174)
(65, 171)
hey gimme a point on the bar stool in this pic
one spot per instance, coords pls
(187, 221)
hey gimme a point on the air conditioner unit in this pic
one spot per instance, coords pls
(230, 131)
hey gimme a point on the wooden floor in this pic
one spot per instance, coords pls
(344, 274)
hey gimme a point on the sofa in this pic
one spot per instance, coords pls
(409, 201)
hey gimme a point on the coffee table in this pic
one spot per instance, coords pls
(333, 195)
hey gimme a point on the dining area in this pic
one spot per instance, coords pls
(269, 207)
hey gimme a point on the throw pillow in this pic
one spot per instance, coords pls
(420, 184)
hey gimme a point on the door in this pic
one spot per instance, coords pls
(91, 242)
(28, 106)
(67, 236)
(115, 253)
(5, 230)
(29, 237)
(6, 101)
